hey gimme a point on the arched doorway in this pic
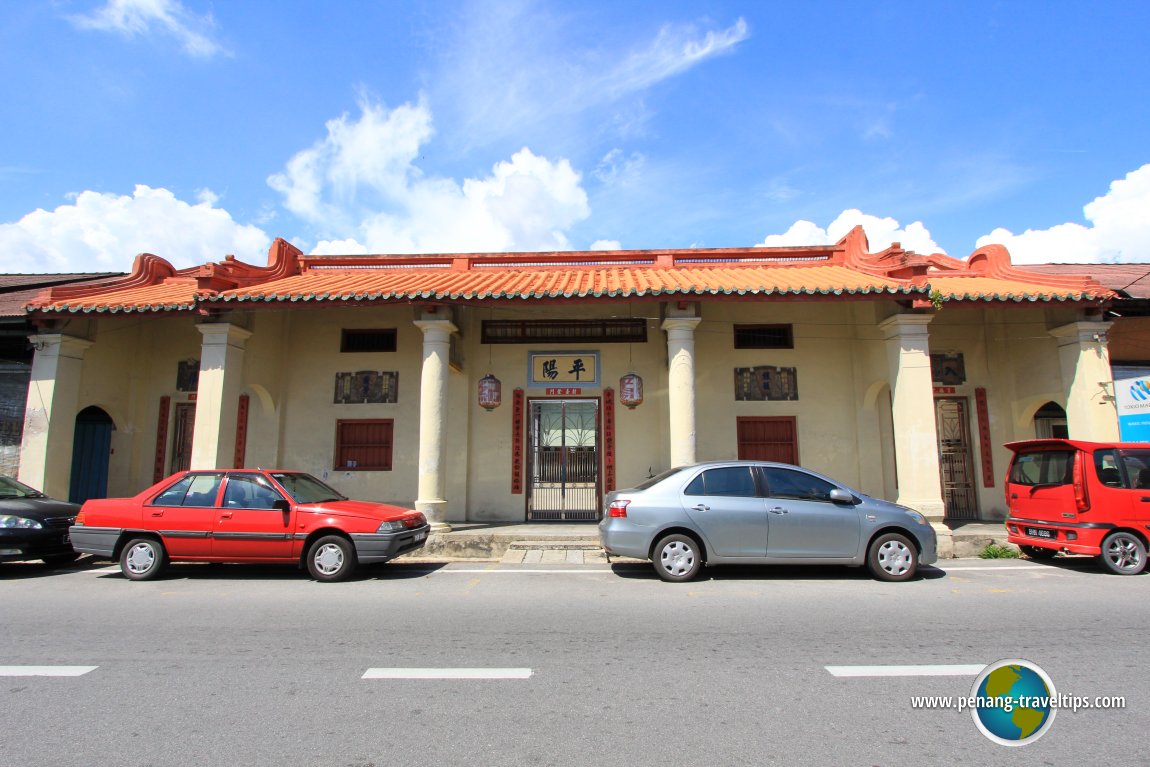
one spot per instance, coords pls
(91, 448)
(1050, 422)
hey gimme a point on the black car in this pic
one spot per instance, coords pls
(34, 526)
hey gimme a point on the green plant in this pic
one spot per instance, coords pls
(936, 299)
(998, 551)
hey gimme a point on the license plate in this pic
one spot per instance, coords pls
(420, 536)
(1041, 532)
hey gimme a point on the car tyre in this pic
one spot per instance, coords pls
(1123, 553)
(143, 559)
(1038, 552)
(677, 558)
(331, 558)
(892, 557)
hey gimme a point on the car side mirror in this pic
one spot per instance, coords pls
(281, 505)
(838, 495)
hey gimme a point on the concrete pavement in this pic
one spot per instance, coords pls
(578, 543)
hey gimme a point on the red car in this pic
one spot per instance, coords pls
(1081, 498)
(245, 516)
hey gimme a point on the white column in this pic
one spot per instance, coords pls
(1086, 380)
(681, 387)
(50, 413)
(433, 422)
(217, 395)
(912, 410)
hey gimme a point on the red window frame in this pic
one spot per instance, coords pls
(364, 444)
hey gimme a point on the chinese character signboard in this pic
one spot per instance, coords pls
(564, 368)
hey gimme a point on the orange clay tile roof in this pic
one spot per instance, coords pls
(844, 269)
(167, 296)
(365, 284)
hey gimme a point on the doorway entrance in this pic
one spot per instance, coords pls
(563, 461)
(185, 427)
(91, 451)
(955, 460)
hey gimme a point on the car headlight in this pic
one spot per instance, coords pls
(918, 518)
(394, 526)
(11, 522)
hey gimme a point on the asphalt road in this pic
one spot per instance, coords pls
(245, 665)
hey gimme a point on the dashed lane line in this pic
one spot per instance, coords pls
(46, 670)
(928, 670)
(447, 673)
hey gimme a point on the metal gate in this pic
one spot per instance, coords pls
(955, 462)
(564, 461)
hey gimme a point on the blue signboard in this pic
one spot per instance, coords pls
(1132, 396)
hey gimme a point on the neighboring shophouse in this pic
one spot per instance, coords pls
(523, 386)
(16, 290)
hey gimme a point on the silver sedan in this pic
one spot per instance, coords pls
(751, 512)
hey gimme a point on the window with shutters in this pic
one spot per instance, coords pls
(768, 438)
(364, 444)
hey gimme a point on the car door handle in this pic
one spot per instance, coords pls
(157, 513)
(777, 510)
(701, 507)
(226, 515)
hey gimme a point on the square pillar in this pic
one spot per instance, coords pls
(50, 413)
(1084, 356)
(218, 395)
(912, 411)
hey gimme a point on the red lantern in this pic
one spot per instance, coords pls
(490, 392)
(631, 390)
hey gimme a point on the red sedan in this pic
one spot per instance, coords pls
(245, 516)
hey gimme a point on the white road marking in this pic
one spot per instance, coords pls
(938, 670)
(447, 673)
(46, 670)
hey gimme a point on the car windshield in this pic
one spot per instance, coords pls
(304, 488)
(10, 488)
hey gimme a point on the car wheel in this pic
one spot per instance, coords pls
(60, 559)
(892, 558)
(331, 558)
(677, 558)
(1123, 553)
(143, 559)
(1038, 552)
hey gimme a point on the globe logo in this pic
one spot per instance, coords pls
(1140, 390)
(1014, 702)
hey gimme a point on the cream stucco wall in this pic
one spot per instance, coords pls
(843, 412)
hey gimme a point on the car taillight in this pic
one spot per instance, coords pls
(79, 520)
(617, 509)
(1081, 497)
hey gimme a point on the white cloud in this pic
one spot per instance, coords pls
(880, 232)
(516, 68)
(1119, 230)
(103, 232)
(606, 245)
(147, 17)
(362, 180)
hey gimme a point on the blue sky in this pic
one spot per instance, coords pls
(192, 129)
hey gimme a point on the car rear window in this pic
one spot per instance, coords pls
(1043, 467)
(652, 481)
